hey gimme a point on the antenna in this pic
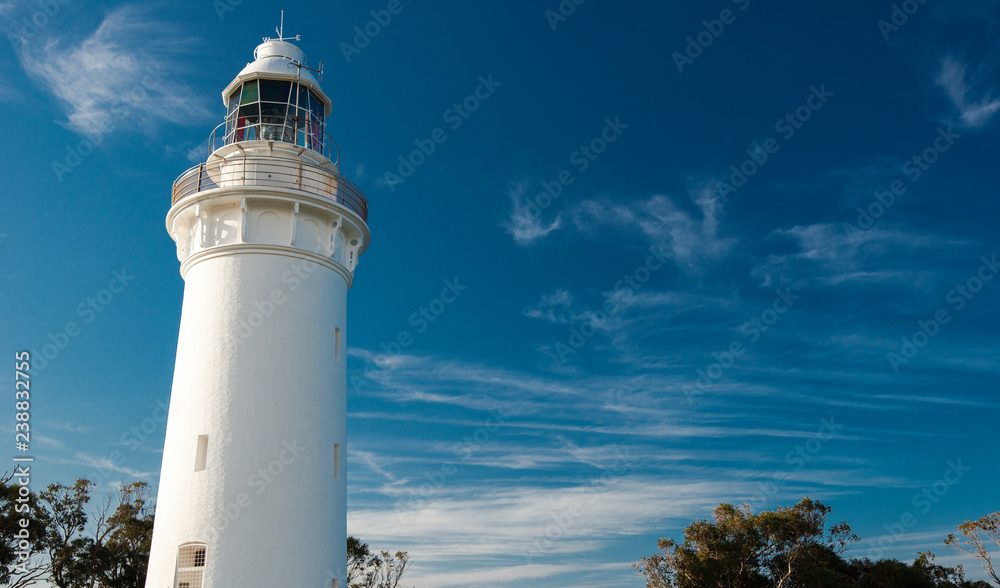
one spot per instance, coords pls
(281, 32)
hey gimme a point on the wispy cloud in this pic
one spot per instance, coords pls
(690, 240)
(525, 222)
(553, 307)
(974, 112)
(71, 427)
(104, 468)
(372, 461)
(120, 77)
(828, 256)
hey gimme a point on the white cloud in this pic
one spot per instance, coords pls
(554, 308)
(688, 239)
(475, 521)
(525, 223)
(372, 461)
(827, 255)
(121, 77)
(953, 79)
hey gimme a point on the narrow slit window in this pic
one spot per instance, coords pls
(202, 454)
(336, 343)
(336, 460)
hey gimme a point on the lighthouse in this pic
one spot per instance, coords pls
(252, 492)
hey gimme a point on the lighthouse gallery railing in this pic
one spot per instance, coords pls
(274, 173)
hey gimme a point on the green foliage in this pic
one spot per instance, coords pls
(18, 567)
(113, 552)
(739, 548)
(784, 548)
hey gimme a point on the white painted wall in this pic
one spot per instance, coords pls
(257, 385)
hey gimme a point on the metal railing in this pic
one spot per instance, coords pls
(271, 172)
(291, 129)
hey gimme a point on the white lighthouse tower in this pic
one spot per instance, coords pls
(252, 492)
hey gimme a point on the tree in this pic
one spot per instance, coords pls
(944, 577)
(976, 545)
(784, 548)
(357, 556)
(21, 564)
(125, 537)
(69, 552)
(741, 549)
(373, 570)
(115, 551)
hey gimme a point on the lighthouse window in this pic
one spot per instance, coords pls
(274, 91)
(249, 92)
(201, 456)
(190, 565)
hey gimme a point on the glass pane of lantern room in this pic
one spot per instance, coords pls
(303, 97)
(275, 91)
(249, 92)
(273, 112)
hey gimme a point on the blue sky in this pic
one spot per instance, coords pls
(703, 252)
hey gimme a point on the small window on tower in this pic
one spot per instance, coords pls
(201, 456)
(336, 460)
(190, 565)
(336, 344)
